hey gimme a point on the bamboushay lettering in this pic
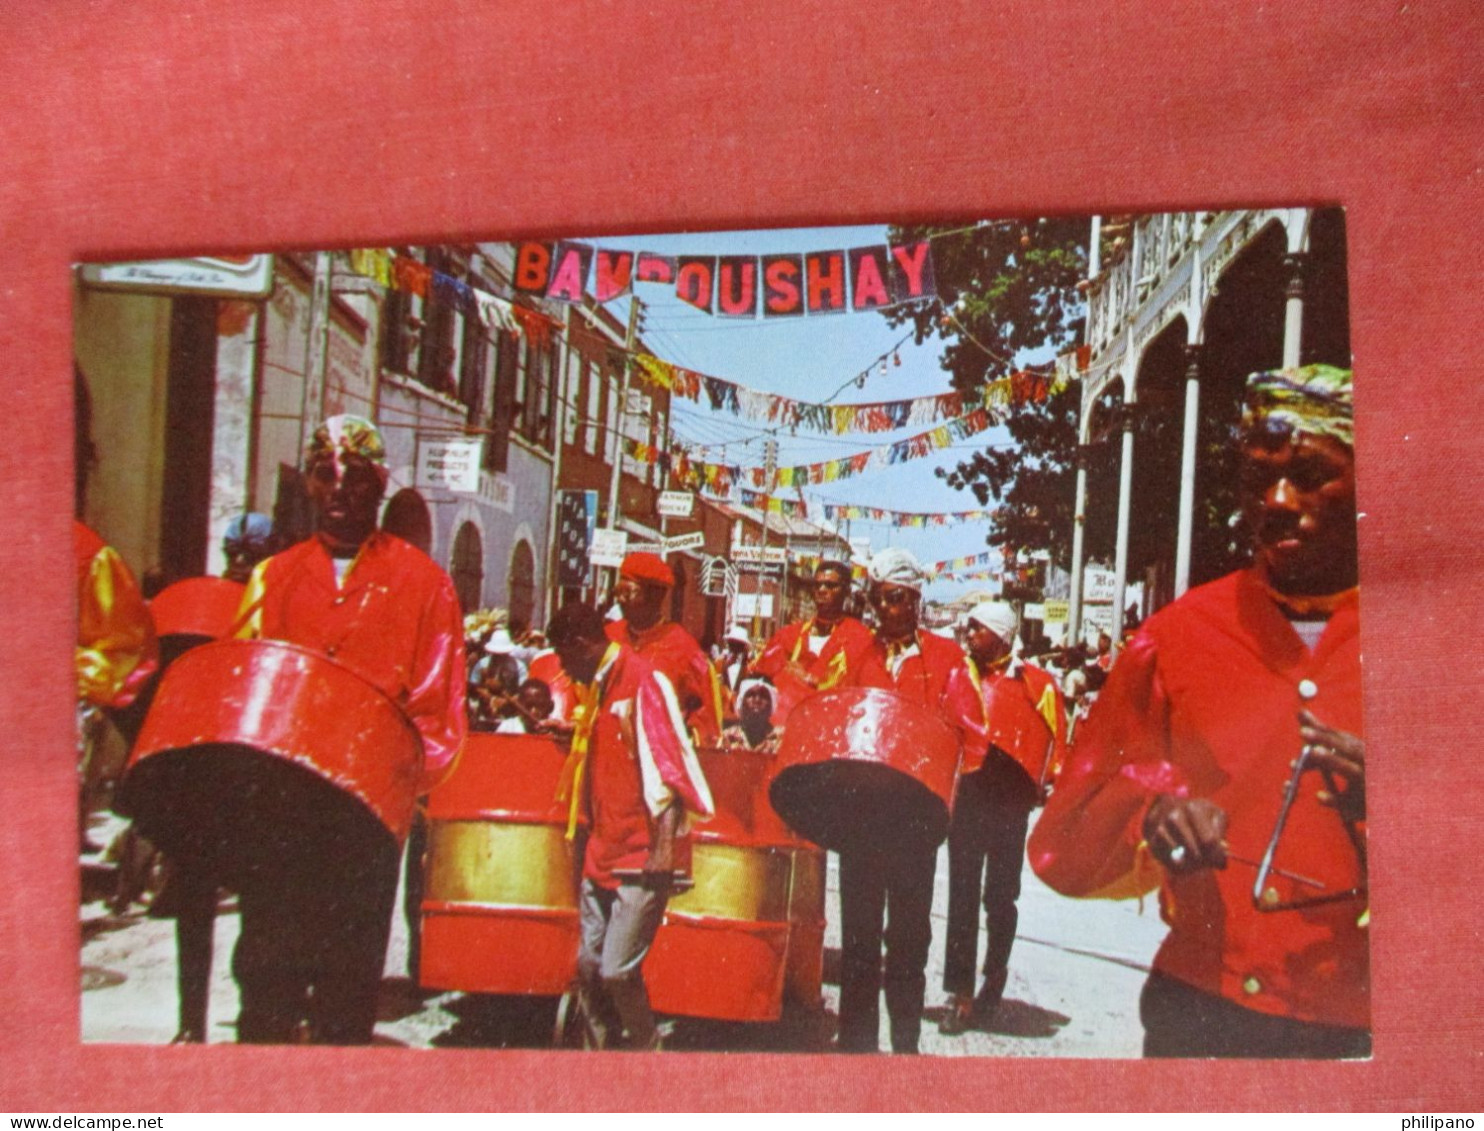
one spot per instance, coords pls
(831, 281)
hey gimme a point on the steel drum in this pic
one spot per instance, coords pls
(722, 950)
(865, 766)
(255, 751)
(198, 606)
(499, 910)
(1017, 728)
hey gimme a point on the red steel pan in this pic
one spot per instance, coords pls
(865, 765)
(1017, 728)
(197, 606)
(253, 749)
(499, 910)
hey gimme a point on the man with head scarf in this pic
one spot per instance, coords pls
(885, 879)
(822, 652)
(1223, 763)
(314, 936)
(1025, 722)
(644, 586)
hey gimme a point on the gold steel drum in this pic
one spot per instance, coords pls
(258, 750)
(722, 949)
(862, 765)
(499, 910)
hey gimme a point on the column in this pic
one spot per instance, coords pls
(1187, 468)
(1296, 265)
(1079, 526)
(1125, 500)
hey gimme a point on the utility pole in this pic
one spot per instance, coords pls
(615, 511)
(770, 473)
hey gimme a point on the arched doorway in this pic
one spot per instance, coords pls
(407, 516)
(467, 568)
(522, 601)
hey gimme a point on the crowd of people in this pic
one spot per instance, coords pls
(1221, 762)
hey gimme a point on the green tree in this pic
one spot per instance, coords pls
(1007, 287)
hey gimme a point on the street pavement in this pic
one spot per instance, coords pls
(1075, 976)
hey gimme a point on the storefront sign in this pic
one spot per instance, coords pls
(451, 463)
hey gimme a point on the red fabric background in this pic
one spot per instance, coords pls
(150, 128)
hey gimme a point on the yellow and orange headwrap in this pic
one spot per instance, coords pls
(349, 435)
(1314, 399)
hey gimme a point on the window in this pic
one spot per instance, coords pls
(568, 408)
(468, 567)
(473, 366)
(522, 602)
(592, 412)
(502, 413)
(398, 339)
(437, 357)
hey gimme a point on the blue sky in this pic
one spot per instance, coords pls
(808, 359)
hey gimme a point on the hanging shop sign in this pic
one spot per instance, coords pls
(230, 276)
(677, 504)
(577, 518)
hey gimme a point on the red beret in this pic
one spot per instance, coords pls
(647, 567)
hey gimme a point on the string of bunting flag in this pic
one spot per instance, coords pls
(1021, 387)
(957, 565)
(403, 273)
(841, 512)
(718, 478)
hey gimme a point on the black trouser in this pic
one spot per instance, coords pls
(897, 884)
(313, 943)
(986, 850)
(1180, 1020)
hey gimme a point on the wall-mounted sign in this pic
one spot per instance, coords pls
(451, 463)
(609, 547)
(747, 604)
(234, 276)
(677, 504)
(1056, 612)
(751, 555)
(1097, 586)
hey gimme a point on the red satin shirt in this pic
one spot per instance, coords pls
(1204, 703)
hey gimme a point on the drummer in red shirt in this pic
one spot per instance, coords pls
(1229, 732)
(314, 935)
(644, 585)
(821, 652)
(635, 774)
(999, 784)
(887, 877)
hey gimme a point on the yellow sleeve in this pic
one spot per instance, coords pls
(116, 646)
